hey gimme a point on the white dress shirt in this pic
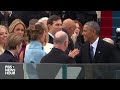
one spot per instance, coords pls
(94, 45)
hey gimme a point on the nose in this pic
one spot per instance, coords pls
(21, 32)
(5, 35)
(60, 26)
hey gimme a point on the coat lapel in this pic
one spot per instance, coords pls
(99, 51)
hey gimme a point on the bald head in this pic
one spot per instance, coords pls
(60, 37)
(109, 40)
(68, 22)
(69, 25)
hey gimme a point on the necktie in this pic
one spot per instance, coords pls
(91, 52)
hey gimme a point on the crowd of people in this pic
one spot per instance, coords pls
(54, 37)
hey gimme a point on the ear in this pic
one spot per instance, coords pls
(94, 31)
(17, 47)
(65, 43)
(49, 26)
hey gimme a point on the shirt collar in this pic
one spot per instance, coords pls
(95, 43)
(11, 53)
(51, 35)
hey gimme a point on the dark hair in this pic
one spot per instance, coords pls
(80, 25)
(53, 18)
(94, 25)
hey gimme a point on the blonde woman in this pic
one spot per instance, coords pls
(19, 28)
(3, 38)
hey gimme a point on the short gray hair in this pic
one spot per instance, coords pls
(60, 37)
(94, 25)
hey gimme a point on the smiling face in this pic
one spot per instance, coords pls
(19, 29)
(3, 35)
(88, 33)
(56, 26)
(77, 29)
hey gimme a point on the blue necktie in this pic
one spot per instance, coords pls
(91, 52)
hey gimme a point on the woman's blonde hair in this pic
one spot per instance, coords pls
(13, 25)
(45, 29)
(2, 48)
(2, 26)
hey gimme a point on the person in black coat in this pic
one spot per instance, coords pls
(7, 56)
(14, 45)
(54, 24)
(69, 27)
(57, 54)
(102, 52)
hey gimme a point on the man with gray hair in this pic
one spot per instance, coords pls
(57, 54)
(95, 50)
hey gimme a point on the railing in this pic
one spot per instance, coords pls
(59, 71)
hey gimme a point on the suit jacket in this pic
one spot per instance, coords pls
(7, 57)
(105, 53)
(50, 39)
(70, 45)
(57, 56)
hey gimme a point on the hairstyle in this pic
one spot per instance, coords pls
(59, 39)
(33, 21)
(13, 40)
(53, 18)
(13, 25)
(94, 25)
(46, 30)
(43, 19)
(2, 26)
(38, 31)
(80, 25)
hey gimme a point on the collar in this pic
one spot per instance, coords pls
(94, 45)
(11, 52)
(51, 35)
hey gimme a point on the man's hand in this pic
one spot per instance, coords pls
(73, 53)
